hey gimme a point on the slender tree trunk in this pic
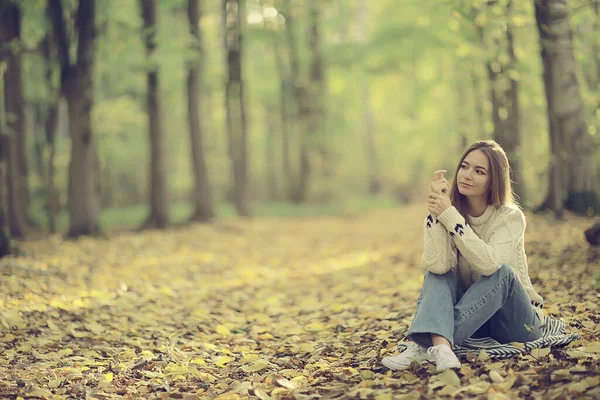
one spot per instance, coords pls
(301, 106)
(596, 50)
(284, 108)
(158, 191)
(234, 11)
(494, 70)
(512, 131)
(18, 191)
(4, 146)
(271, 164)
(77, 87)
(203, 206)
(478, 100)
(373, 180)
(573, 148)
(463, 115)
(50, 127)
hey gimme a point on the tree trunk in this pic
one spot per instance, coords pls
(596, 50)
(203, 206)
(157, 185)
(17, 188)
(271, 168)
(504, 96)
(462, 112)
(512, 130)
(373, 179)
(50, 127)
(478, 100)
(233, 14)
(77, 87)
(4, 145)
(284, 108)
(572, 145)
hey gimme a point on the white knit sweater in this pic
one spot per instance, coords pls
(484, 244)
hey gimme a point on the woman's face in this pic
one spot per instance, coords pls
(473, 177)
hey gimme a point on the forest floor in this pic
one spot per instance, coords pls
(270, 308)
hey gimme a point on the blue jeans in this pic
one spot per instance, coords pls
(496, 306)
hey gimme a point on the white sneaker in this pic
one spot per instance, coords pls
(443, 356)
(413, 352)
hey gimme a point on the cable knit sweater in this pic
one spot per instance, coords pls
(484, 244)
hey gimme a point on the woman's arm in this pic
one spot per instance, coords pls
(439, 252)
(486, 258)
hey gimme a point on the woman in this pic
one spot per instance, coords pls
(477, 281)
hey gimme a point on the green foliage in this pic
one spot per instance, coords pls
(412, 56)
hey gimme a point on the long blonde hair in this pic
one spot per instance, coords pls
(500, 190)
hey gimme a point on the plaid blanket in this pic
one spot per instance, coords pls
(553, 335)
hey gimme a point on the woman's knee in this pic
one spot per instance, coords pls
(448, 276)
(505, 271)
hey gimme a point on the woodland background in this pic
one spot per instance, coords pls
(333, 106)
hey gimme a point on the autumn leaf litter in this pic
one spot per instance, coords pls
(282, 309)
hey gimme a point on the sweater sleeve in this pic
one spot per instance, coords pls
(486, 258)
(439, 253)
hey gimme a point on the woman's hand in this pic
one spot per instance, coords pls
(439, 184)
(438, 203)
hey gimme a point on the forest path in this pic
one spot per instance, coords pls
(286, 308)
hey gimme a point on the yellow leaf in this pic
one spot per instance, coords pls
(51, 325)
(266, 336)
(581, 308)
(197, 361)
(496, 377)
(540, 353)
(578, 387)
(314, 327)
(300, 380)
(223, 330)
(449, 377)
(228, 396)
(108, 377)
(483, 356)
(592, 381)
(256, 366)
(147, 355)
(166, 291)
(594, 348)
(39, 392)
(222, 360)
(53, 384)
(65, 352)
(206, 377)
(286, 384)
(249, 357)
(261, 394)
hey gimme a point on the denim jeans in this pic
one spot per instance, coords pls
(496, 306)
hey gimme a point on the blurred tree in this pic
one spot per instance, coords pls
(233, 21)
(76, 85)
(572, 171)
(502, 72)
(157, 185)
(4, 146)
(374, 183)
(285, 97)
(203, 204)
(50, 126)
(11, 47)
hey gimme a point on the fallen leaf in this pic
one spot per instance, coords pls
(496, 377)
(256, 366)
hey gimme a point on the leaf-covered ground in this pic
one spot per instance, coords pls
(296, 309)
